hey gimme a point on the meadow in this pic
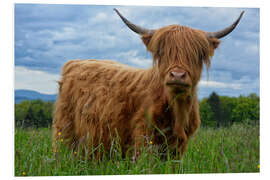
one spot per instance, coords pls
(234, 149)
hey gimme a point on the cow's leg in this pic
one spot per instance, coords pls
(141, 132)
(63, 128)
(194, 119)
(182, 110)
(180, 132)
(187, 124)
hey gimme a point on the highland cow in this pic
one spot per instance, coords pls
(99, 100)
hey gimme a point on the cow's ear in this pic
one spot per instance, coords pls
(214, 43)
(146, 39)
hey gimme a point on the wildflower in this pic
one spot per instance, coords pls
(151, 142)
(75, 152)
(61, 140)
(258, 166)
(23, 173)
(59, 133)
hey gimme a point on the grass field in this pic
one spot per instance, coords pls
(225, 150)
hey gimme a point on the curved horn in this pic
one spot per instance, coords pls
(133, 27)
(226, 31)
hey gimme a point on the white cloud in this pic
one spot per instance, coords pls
(216, 84)
(140, 62)
(254, 35)
(100, 17)
(250, 47)
(131, 57)
(35, 80)
(66, 33)
(53, 34)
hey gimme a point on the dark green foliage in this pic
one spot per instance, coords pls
(34, 113)
(246, 109)
(29, 118)
(228, 104)
(215, 105)
(221, 111)
(206, 114)
(215, 111)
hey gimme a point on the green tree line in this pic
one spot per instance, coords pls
(34, 113)
(220, 111)
(215, 111)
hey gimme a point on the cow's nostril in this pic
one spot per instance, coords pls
(178, 75)
(184, 74)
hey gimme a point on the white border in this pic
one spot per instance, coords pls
(7, 80)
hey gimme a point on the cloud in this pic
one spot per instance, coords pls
(100, 17)
(132, 58)
(224, 84)
(35, 80)
(46, 36)
(216, 84)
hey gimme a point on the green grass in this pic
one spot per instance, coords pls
(225, 150)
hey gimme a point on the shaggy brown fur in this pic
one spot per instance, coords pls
(104, 99)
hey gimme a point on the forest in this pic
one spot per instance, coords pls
(215, 111)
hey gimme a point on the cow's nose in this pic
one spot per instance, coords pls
(178, 75)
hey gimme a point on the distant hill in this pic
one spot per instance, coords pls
(22, 94)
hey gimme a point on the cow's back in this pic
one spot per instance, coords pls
(98, 98)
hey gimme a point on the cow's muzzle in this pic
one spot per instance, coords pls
(178, 78)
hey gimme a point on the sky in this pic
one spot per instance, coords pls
(47, 36)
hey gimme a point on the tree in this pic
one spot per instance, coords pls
(214, 103)
(29, 118)
(20, 112)
(227, 106)
(206, 114)
(35, 113)
(41, 119)
(247, 109)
